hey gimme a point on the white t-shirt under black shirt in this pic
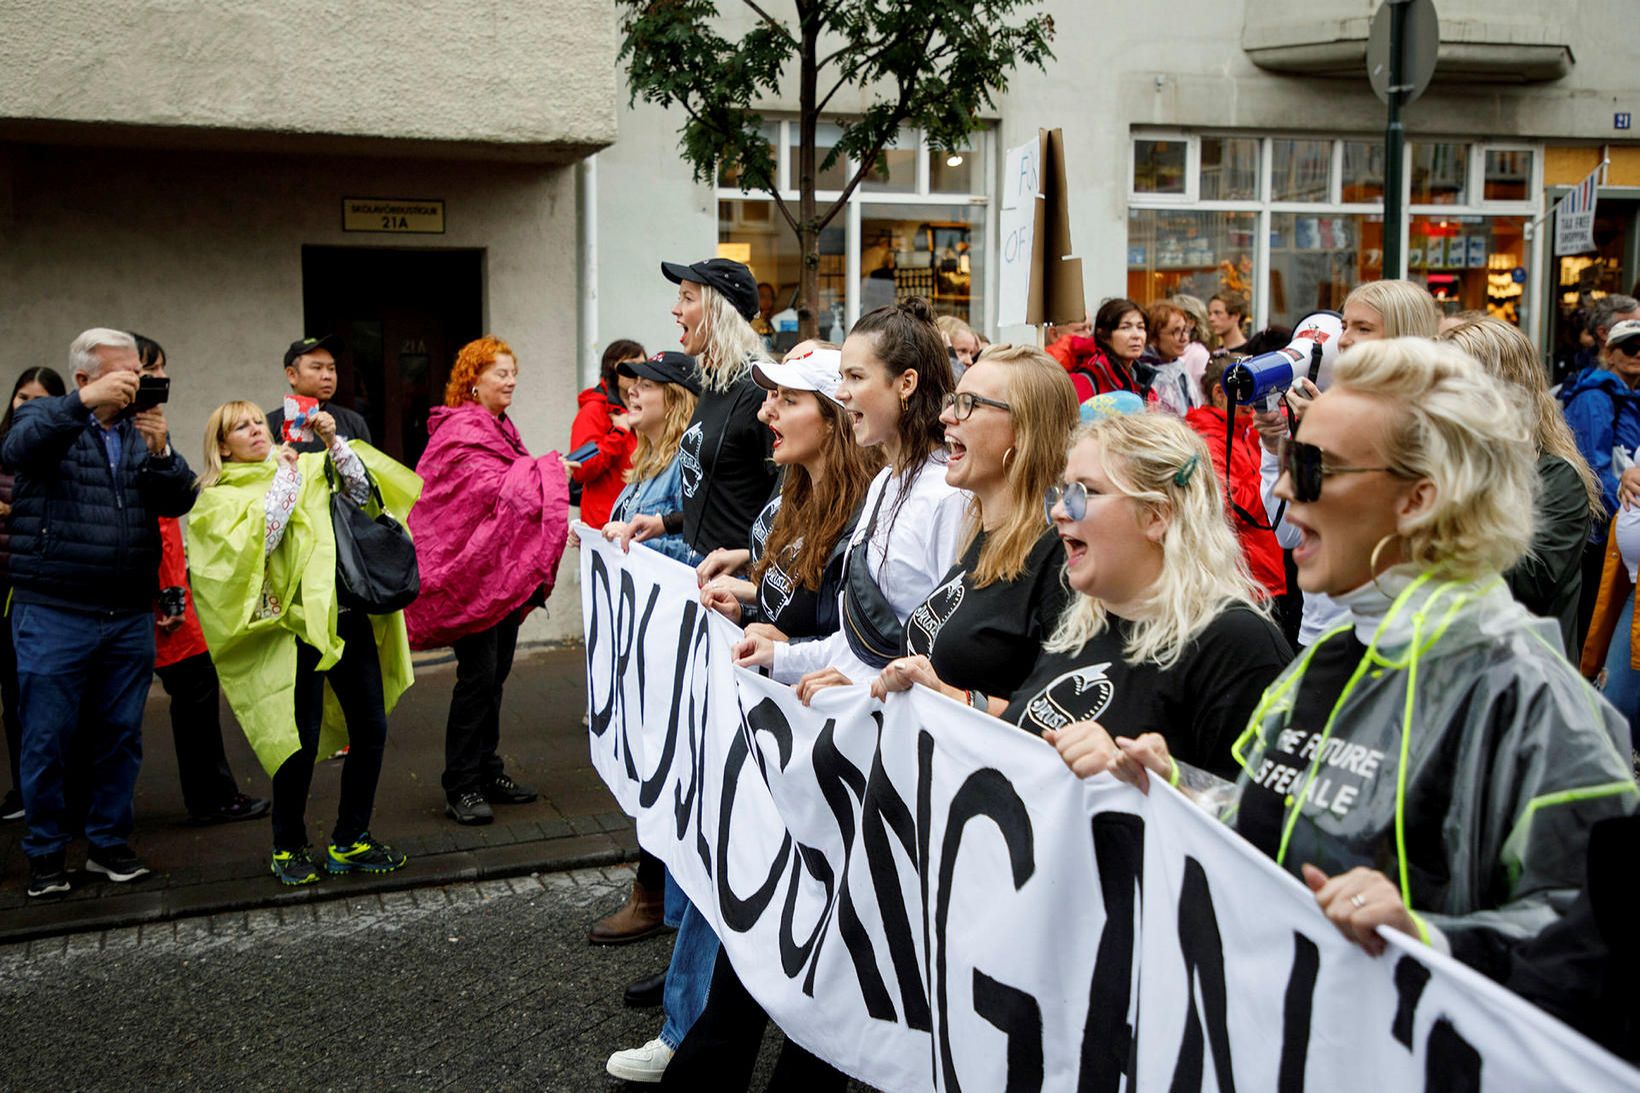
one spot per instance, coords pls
(912, 549)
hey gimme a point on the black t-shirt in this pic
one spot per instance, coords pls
(727, 472)
(1286, 762)
(1200, 705)
(987, 639)
(350, 425)
(798, 612)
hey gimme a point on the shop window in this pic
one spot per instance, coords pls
(1229, 169)
(1440, 173)
(936, 251)
(1316, 259)
(895, 171)
(749, 232)
(729, 174)
(1201, 253)
(1508, 175)
(1363, 181)
(1300, 170)
(1159, 166)
(826, 136)
(952, 172)
(1467, 262)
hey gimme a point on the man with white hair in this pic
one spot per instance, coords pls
(93, 473)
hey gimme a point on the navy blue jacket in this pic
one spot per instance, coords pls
(83, 534)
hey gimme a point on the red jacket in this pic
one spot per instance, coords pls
(1258, 540)
(1091, 372)
(602, 476)
(187, 640)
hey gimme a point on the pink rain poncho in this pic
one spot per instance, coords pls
(489, 528)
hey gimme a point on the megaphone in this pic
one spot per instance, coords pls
(1309, 355)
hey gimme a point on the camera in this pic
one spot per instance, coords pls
(1309, 355)
(173, 601)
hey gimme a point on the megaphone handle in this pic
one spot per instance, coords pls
(1315, 361)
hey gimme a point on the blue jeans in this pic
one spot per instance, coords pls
(82, 682)
(688, 977)
(1622, 680)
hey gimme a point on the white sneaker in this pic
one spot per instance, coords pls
(640, 1064)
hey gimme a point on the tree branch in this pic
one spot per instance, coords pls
(773, 23)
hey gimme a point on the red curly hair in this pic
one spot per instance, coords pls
(470, 364)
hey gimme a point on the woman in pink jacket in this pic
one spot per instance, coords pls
(489, 531)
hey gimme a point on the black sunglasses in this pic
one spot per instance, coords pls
(1308, 467)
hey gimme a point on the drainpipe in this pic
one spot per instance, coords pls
(588, 281)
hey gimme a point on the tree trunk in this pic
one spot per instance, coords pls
(808, 234)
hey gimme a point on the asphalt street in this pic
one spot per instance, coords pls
(489, 985)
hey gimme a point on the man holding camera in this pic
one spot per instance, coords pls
(92, 476)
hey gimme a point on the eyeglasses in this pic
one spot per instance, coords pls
(1308, 466)
(962, 404)
(1074, 495)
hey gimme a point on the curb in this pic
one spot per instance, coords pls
(141, 907)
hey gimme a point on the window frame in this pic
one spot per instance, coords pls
(982, 147)
(1265, 206)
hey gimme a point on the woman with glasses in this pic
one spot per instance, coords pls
(975, 638)
(895, 378)
(1433, 765)
(1169, 633)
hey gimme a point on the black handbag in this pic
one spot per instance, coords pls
(376, 570)
(875, 633)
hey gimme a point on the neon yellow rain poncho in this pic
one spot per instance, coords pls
(1464, 758)
(253, 608)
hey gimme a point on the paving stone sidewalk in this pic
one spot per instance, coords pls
(221, 869)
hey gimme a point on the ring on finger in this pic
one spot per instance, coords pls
(1357, 902)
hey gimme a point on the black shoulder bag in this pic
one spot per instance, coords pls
(376, 570)
(875, 633)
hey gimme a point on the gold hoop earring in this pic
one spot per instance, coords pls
(1372, 562)
(1007, 457)
(905, 404)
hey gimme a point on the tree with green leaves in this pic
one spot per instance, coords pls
(933, 64)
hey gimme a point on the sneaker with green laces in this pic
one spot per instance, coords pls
(294, 867)
(365, 855)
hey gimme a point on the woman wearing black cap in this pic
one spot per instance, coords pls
(660, 406)
(727, 475)
(725, 452)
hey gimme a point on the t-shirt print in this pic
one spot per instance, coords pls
(925, 623)
(689, 458)
(1082, 694)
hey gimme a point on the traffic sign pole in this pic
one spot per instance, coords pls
(1395, 139)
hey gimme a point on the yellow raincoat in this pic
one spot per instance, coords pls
(253, 608)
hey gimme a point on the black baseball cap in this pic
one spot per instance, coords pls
(724, 275)
(302, 346)
(667, 366)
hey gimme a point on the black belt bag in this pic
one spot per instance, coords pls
(875, 633)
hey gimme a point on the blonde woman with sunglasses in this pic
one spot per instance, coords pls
(1432, 765)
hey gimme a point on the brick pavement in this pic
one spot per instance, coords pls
(223, 869)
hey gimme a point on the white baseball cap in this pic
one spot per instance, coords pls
(818, 370)
(1622, 332)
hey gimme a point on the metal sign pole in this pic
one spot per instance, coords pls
(1395, 144)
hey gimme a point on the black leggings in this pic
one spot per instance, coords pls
(472, 734)
(721, 1048)
(357, 681)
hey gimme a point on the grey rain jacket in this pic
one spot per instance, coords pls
(1498, 755)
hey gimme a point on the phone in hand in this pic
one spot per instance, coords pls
(584, 452)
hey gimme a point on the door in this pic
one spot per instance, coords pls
(403, 314)
(1580, 278)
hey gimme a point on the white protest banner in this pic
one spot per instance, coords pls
(1021, 183)
(928, 898)
(1574, 217)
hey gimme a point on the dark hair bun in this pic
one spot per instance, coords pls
(916, 307)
